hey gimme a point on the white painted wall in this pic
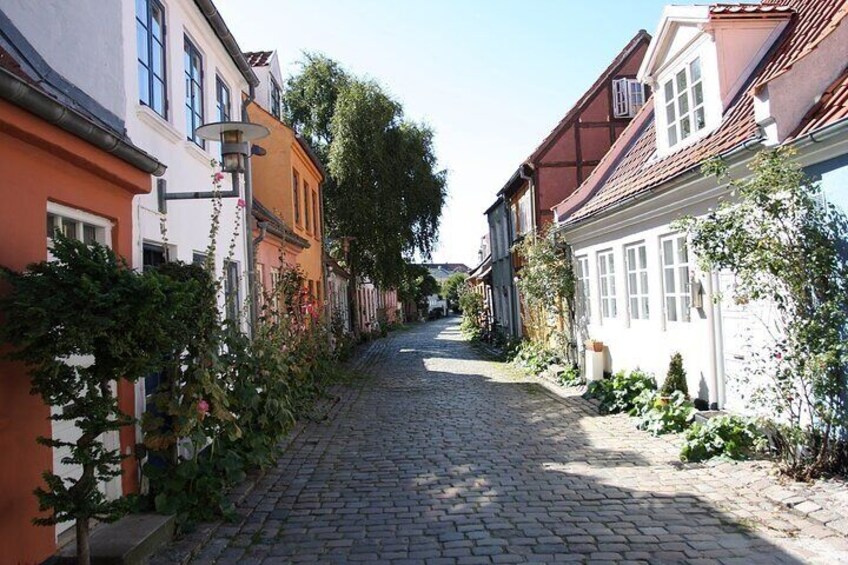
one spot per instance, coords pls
(81, 40)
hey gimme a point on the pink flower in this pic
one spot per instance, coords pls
(202, 408)
(219, 176)
(241, 203)
(778, 355)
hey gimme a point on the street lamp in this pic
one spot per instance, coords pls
(235, 138)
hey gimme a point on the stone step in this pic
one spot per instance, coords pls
(129, 541)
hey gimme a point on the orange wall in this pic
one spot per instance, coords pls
(41, 163)
(272, 185)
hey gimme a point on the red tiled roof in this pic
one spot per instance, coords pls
(831, 108)
(640, 171)
(640, 37)
(258, 58)
(756, 10)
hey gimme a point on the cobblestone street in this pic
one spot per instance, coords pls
(442, 457)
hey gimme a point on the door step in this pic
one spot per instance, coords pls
(129, 541)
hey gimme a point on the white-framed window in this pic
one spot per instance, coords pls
(276, 99)
(150, 48)
(193, 91)
(524, 220)
(683, 96)
(581, 273)
(76, 224)
(636, 267)
(628, 96)
(606, 283)
(232, 296)
(675, 266)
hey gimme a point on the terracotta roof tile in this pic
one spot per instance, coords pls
(258, 58)
(749, 10)
(640, 171)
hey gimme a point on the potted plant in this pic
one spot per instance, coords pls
(594, 345)
(675, 380)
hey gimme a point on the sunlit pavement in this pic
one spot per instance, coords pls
(442, 457)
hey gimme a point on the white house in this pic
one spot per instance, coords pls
(182, 68)
(720, 77)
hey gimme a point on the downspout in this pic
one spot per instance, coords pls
(248, 221)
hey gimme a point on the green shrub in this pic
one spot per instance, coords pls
(726, 436)
(675, 380)
(659, 417)
(535, 357)
(619, 392)
(570, 377)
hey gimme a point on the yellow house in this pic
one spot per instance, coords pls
(287, 181)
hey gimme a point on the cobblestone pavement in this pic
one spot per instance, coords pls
(442, 457)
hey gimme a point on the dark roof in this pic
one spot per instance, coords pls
(312, 155)
(225, 36)
(276, 225)
(638, 170)
(258, 58)
(453, 267)
(335, 266)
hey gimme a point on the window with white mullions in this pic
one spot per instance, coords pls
(232, 296)
(628, 96)
(606, 278)
(193, 91)
(684, 103)
(74, 228)
(675, 267)
(222, 100)
(581, 271)
(150, 47)
(636, 259)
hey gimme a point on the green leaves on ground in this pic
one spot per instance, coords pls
(726, 436)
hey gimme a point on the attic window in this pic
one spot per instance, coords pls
(628, 95)
(684, 103)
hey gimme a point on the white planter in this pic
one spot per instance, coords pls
(594, 365)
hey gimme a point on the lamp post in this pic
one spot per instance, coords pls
(235, 139)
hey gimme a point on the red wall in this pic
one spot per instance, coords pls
(41, 163)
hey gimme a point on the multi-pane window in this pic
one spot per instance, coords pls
(296, 196)
(636, 259)
(316, 215)
(150, 46)
(581, 267)
(606, 278)
(628, 96)
(199, 259)
(231, 290)
(306, 211)
(74, 228)
(193, 91)
(222, 100)
(684, 103)
(675, 266)
(276, 99)
(524, 219)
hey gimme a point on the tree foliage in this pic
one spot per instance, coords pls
(452, 288)
(547, 283)
(788, 248)
(416, 285)
(385, 189)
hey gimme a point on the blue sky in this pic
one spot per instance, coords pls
(492, 78)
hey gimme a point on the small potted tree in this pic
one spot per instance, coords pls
(675, 379)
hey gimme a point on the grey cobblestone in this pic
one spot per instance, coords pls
(444, 457)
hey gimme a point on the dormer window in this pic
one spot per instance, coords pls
(276, 99)
(684, 103)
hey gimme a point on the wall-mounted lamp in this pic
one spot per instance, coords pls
(235, 138)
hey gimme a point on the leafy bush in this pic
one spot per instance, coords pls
(619, 393)
(535, 357)
(675, 380)
(726, 436)
(660, 417)
(570, 377)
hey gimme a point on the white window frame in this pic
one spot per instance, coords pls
(628, 96)
(636, 281)
(675, 280)
(581, 271)
(103, 225)
(606, 285)
(679, 104)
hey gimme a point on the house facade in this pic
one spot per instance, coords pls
(77, 174)
(288, 179)
(338, 293)
(720, 77)
(504, 302)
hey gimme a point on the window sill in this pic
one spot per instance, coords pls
(158, 123)
(198, 153)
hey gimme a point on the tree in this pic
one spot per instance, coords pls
(547, 283)
(84, 304)
(416, 285)
(385, 191)
(452, 287)
(788, 247)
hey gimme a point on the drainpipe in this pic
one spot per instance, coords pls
(248, 221)
(713, 340)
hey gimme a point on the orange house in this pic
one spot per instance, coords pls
(63, 168)
(287, 184)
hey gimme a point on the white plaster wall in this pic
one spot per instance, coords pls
(188, 221)
(81, 40)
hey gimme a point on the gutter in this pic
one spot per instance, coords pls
(33, 100)
(821, 134)
(248, 213)
(213, 17)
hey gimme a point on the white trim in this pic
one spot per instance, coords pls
(82, 216)
(157, 122)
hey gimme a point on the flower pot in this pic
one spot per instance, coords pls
(594, 345)
(663, 400)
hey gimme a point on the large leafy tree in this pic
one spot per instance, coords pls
(452, 288)
(385, 191)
